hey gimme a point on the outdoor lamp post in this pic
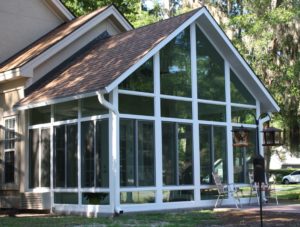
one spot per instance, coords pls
(272, 137)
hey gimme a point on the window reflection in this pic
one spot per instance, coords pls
(175, 66)
(210, 70)
(213, 156)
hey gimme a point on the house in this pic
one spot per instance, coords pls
(99, 117)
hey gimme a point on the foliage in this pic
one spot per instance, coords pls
(267, 34)
(129, 8)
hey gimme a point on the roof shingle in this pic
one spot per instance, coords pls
(104, 61)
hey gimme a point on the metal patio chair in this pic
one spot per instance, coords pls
(266, 190)
(226, 190)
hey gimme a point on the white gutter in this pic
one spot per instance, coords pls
(105, 103)
(113, 133)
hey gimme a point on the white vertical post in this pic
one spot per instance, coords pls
(114, 152)
(79, 153)
(260, 128)
(51, 159)
(158, 134)
(196, 146)
(229, 125)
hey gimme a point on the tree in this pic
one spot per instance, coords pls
(130, 8)
(267, 33)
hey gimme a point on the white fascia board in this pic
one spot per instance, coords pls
(121, 19)
(58, 100)
(63, 9)
(152, 52)
(27, 69)
(241, 60)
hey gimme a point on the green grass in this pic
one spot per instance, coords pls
(166, 219)
(288, 192)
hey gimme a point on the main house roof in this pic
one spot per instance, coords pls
(48, 40)
(104, 63)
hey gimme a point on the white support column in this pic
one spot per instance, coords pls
(158, 133)
(230, 163)
(196, 149)
(51, 159)
(79, 153)
(260, 128)
(114, 153)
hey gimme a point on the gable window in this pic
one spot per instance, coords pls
(239, 93)
(9, 150)
(141, 79)
(175, 66)
(137, 153)
(210, 70)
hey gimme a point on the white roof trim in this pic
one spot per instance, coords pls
(58, 100)
(63, 9)
(27, 68)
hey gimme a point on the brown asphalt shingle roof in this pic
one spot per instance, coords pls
(47, 41)
(104, 61)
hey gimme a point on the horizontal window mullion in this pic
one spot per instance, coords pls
(136, 93)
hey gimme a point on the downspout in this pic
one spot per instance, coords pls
(108, 105)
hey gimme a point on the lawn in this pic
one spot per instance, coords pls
(169, 219)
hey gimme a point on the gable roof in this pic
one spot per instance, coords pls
(106, 63)
(50, 39)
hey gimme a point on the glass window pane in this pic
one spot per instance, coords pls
(66, 111)
(33, 158)
(239, 93)
(177, 154)
(45, 157)
(211, 112)
(137, 197)
(175, 66)
(65, 198)
(91, 107)
(87, 154)
(101, 198)
(210, 70)
(102, 154)
(9, 167)
(71, 169)
(127, 153)
(243, 159)
(178, 195)
(141, 79)
(176, 109)
(40, 115)
(243, 115)
(59, 156)
(139, 105)
(146, 153)
(213, 155)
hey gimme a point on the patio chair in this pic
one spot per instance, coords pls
(228, 190)
(266, 189)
